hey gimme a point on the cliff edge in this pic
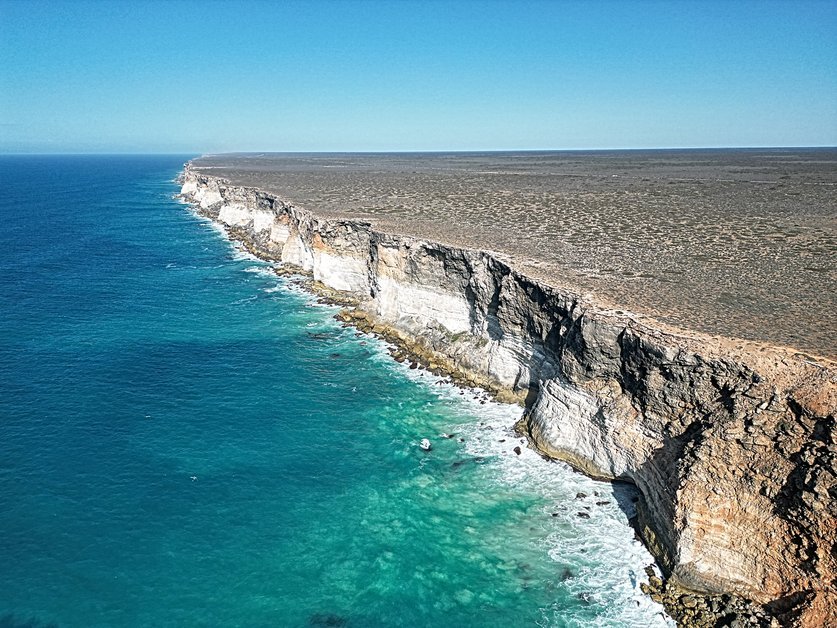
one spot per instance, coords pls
(732, 446)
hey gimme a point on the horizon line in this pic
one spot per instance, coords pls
(412, 152)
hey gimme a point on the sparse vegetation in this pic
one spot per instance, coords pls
(701, 239)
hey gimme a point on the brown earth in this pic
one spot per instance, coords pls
(736, 243)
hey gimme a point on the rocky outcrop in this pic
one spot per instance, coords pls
(734, 456)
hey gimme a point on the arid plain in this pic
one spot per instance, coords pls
(733, 243)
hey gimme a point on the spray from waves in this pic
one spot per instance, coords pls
(240, 254)
(286, 286)
(264, 271)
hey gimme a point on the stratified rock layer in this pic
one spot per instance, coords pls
(734, 456)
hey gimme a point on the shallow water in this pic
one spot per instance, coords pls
(188, 440)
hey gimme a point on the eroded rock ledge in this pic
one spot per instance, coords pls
(734, 456)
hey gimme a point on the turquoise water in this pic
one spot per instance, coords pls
(186, 440)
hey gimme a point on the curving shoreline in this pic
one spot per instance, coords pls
(734, 456)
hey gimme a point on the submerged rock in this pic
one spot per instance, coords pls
(327, 620)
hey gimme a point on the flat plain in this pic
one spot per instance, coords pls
(735, 243)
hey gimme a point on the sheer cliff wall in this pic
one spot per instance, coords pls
(734, 457)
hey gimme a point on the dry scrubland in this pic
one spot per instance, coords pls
(740, 244)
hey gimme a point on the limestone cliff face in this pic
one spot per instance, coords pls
(735, 458)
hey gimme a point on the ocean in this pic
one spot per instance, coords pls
(188, 440)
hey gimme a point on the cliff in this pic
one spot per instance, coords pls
(733, 451)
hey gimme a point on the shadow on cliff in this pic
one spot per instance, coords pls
(813, 474)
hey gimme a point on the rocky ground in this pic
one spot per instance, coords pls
(742, 244)
(699, 611)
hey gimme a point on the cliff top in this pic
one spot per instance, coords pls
(731, 243)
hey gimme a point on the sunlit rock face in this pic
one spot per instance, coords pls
(734, 457)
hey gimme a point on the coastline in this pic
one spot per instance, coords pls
(731, 448)
(730, 244)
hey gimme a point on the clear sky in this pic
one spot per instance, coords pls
(199, 77)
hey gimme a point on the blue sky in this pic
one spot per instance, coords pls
(399, 75)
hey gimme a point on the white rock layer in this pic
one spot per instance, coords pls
(722, 513)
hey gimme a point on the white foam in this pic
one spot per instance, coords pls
(218, 229)
(606, 560)
(265, 271)
(205, 220)
(240, 254)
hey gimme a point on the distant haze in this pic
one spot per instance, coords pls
(388, 76)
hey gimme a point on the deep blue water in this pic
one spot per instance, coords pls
(186, 440)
